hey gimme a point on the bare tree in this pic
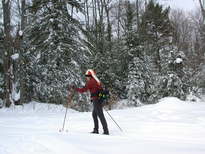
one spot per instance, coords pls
(137, 13)
(109, 27)
(202, 26)
(118, 20)
(87, 16)
(188, 37)
(183, 29)
(202, 9)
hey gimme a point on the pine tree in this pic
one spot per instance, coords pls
(155, 32)
(174, 81)
(56, 54)
(155, 72)
(137, 85)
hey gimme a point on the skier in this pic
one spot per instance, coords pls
(93, 85)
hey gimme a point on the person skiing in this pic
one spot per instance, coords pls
(93, 85)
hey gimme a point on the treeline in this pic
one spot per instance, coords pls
(141, 50)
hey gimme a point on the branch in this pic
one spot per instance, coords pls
(202, 9)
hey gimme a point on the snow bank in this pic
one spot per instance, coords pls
(177, 106)
(170, 103)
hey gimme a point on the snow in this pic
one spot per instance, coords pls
(16, 95)
(170, 127)
(15, 56)
(20, 33)
(178, 60)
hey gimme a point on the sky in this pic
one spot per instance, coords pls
(186, 5)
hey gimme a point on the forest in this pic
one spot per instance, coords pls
(141, 50)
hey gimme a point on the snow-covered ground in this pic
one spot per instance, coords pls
(169, 127)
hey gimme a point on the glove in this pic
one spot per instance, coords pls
(72, 87)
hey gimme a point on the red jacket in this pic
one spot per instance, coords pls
(93, 86)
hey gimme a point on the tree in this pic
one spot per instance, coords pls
(25, 96)
(202, 9)
(197, 56)
(151, 65)
(155, 32)
(1, 58)
(183, 30)
(1, 66)
(128, 42)
(7, 51)
(174, 82)
(56, 55)
(100, 41)
(138, 82)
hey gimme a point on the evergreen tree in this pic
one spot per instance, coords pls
(137, 84)
(174, 81)
(56, 55)
(156, 33)
(153, 52)
(126, 47)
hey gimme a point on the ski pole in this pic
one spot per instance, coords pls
(64, 119)
(69, 101)
(114, 121)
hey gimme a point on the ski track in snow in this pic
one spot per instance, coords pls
(169, 127)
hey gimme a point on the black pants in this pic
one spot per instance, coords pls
(98, 113)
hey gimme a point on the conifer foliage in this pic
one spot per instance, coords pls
(55, 53)
(154, 72)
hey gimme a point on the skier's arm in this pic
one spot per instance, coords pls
(84, 89)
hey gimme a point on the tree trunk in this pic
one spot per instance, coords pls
(87, 18)
(24, 97)
(100, 25)
(137, 13)
(202, 9)
(7, 51)
(118, 20)
(109, 27)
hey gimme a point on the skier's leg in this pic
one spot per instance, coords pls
(95, 119)
(102, 117)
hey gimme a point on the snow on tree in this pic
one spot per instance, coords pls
(136, 82)
(172, 81)
(162, 73)
(56, 54)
